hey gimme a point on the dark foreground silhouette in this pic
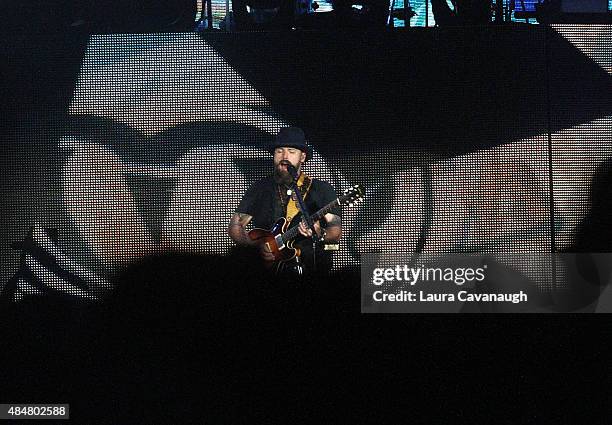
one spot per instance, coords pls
(192, 339)
(182, 336)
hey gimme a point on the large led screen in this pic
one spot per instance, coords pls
(466, 140)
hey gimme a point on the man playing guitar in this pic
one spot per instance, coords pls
(272, 198)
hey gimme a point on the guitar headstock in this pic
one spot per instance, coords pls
(352, 195)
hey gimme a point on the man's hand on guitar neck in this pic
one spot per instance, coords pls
(306, 231)
(332, 232)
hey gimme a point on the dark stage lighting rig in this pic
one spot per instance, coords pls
(251, 15)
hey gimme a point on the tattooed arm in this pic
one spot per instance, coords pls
(237, 229)
(333, 230)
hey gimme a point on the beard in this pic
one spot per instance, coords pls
(282, 176)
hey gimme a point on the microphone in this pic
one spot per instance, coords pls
(291, 170)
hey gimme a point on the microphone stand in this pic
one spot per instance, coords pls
(305, 214)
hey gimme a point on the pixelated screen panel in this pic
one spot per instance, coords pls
(206, 129)
(165, 132)
(581, 153)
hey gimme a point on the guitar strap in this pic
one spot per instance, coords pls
(304, 182)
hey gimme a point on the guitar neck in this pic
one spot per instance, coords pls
(293, 232)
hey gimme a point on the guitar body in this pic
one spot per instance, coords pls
(282, 252)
